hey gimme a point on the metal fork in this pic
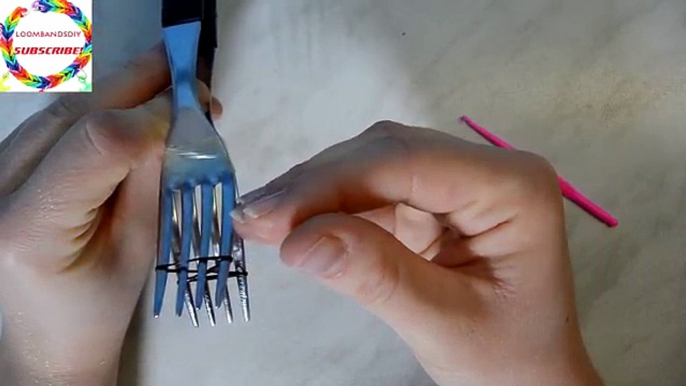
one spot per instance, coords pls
(198, 186)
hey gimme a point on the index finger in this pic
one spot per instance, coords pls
(138, 82)
(477, 187)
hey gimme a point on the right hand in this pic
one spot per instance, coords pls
(461, 248)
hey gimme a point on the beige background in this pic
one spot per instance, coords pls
(597, 86)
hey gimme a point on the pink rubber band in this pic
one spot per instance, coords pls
(567, 189)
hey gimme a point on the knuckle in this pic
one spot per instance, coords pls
(157, 151)
(375, 277)
(379, 285)
(105, 131)
(401, 146)
(389, 135)
(204, 92)
(327, 221)
(66, 106)
(535, 160)
(384, 128)
(535, 178)
(136, 66)
(11, 227)
(5, 228)
(293, 174)
(542, 169)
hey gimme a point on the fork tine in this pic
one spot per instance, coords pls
(226, 244)
(164, 252)
(242, 278)
(209, 308)
(186, 237)
(207, 192)
(215, 252)
(190, 307)
(227, 306)
(176, 253)
(200, 288)
(216, 240)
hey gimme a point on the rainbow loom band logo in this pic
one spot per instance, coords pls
(74, 71)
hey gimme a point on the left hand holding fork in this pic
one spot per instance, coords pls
(78, 199)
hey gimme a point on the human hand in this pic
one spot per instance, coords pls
(78, 196)
(459, 247)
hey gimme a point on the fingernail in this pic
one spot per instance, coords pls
(237, 214)
(258, 203)
(248, 198)
(325, 258)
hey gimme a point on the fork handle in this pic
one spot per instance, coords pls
(182, 50)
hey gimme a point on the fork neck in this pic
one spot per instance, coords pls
(182, 50)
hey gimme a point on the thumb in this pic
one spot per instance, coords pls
(58, 207)
(359, 259)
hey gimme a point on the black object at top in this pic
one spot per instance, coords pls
(175, 12)
(208, 43)
(208, 35)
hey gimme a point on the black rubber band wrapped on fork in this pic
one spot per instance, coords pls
(211, 272)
